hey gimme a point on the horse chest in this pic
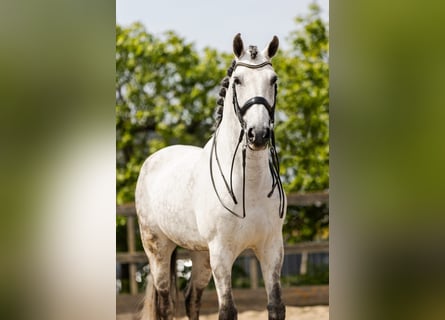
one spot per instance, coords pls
(261, 220)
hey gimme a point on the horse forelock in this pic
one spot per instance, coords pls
(253, 56)
(253, 50)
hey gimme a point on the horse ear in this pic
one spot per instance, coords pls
(272, 48)
(238, 47)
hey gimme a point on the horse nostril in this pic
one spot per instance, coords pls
(266, 134)
(258, 137)
(251, 134)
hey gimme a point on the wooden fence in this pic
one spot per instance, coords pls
(133, 257)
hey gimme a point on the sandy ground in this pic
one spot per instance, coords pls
(297, 313)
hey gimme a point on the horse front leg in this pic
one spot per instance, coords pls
(271, 260)
(221, 261)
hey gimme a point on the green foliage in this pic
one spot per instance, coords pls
(317, 275)
(306, 224)
(303, 101)
(166, 94)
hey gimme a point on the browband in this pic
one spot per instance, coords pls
(252, 66)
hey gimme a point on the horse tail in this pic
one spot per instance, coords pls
(151, 308)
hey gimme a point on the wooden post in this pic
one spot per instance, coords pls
(303, 265)
(131, 250)
(253, 268)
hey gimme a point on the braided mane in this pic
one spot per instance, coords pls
(253, 50)
(222, 95)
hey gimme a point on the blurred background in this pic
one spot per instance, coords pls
(58, 157)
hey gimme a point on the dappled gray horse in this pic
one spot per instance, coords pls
(218, 200)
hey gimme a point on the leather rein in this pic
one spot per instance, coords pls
(274, 165)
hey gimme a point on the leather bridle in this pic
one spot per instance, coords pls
(274, 165)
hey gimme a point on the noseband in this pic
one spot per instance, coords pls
(274, 165)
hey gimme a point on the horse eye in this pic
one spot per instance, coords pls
(237, 80)
(273, 80)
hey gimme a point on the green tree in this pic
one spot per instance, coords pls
(164, 95)
(303, 132)
(303, 104)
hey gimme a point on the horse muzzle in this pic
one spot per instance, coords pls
(258, 138)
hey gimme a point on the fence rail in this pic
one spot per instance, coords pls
(133, 257)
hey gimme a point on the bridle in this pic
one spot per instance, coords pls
(274, 165)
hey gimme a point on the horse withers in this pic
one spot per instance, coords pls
(218, 200)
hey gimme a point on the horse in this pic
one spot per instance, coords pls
(218, 200)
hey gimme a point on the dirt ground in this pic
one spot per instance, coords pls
(297, 313)
(292, 313)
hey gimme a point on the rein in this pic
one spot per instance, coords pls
(274, 165)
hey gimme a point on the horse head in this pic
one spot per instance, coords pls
(253, 83)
